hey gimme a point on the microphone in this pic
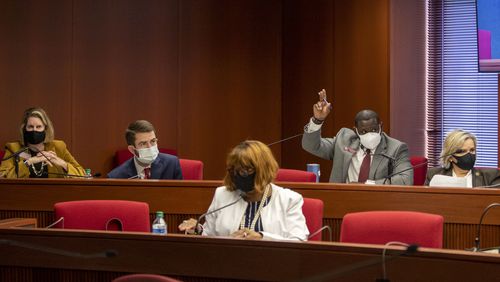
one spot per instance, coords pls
(384, 273)
(97, 174)
(330, 276)
(327, 227)
(196, 229)
(14, 154)
(388, 177)
(41, 153)
(104, 254)
(283, 140)
(478, 234)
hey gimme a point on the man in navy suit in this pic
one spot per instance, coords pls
(148, 162)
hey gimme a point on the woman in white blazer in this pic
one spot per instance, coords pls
(259, 209)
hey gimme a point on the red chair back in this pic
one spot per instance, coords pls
(313, 212)
(103, 215)
(381, 227)
(420, 172)
(191, 169)
(145, 278)
(2, 153)
(123, 155)
(294, 175)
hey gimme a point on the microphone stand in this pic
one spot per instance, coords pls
(330, 276)
(404, 170)
(283, 140)
(477, 239)
(196, 229)
(15, 155)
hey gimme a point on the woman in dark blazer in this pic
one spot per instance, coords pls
(458, 159)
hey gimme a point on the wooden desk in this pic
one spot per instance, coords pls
(63, 255)
(18, 222)
(461, 208)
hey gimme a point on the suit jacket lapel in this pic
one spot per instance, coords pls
(377, 158)
(348, 155)
(477, 178)
(156, 168)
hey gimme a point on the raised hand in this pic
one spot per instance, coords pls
(322, 108)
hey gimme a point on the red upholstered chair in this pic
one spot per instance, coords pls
(191, 169)
(144, 278)
(2, 153)
(124, 154)
(294, 175)
(313, 212)
(103, 215)
(381, 227)
(420, 172)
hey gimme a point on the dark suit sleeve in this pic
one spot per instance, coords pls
(177, 170)
(491, 177)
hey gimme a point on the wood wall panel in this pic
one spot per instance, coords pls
(126, 68)
(208, 74)
(35, 64)
(361, 60)
(230, 77)
(308, 67)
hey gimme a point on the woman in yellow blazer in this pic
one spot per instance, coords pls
(37, 154)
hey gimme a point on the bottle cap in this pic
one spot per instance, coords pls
(159, 214)
(88, 171)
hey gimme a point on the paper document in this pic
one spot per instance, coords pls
(439, 180)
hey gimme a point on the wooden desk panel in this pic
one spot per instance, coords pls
(461, 208)
(35, 252)
(18, 222)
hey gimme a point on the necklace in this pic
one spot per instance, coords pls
(257, 214)
(38, 172)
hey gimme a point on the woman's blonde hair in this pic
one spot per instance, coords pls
(454, 142)
(42, 115)
(252, 154)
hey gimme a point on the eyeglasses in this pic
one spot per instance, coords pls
(242, 171)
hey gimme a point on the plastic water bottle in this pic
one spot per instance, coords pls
(88, 173)
(159, 224)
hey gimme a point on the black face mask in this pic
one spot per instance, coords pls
(33, 137)
(466, 162)
(244, 183)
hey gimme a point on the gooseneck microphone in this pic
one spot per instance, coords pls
(327, 227)
(14, 154)
(283, 140)
(196, 229)
(388, 177)
(478, 234)
(336, 273)
(43, 154)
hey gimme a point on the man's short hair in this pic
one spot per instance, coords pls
(138, 126)
(365, 115)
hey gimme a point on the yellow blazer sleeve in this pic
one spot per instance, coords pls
(8, 167)
(62, 152)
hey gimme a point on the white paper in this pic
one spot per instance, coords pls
(439, 180)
